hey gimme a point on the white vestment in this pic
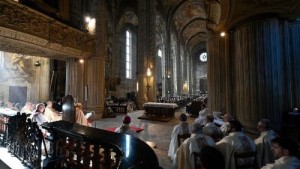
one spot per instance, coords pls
(201, 119)
(184, 158)
(225, 128)
(51, 115)
(26, 110)
(263, 146)
(285, 162)
(125, 129)
(212, 130)
(38, 117)
(181, 128)
(234, 142)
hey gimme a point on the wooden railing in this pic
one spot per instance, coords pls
(77, 146)
(23, 139)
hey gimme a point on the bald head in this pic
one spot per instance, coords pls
(264, 125)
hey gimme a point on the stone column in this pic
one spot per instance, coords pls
(217, 72)
(146, 52)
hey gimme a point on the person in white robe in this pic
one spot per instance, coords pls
(51, 114)
(286, 152)
(225, 126)
(181, 128)
(236, 141)
(184, 158)
(201, 119)
(27, 108)
(79, 116)
(211, 129)
(37, 115)
(263, 143)
(125, 128)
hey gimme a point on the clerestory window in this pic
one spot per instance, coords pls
(128, 54)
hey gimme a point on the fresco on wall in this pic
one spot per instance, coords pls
(18, 71)
(15, 67)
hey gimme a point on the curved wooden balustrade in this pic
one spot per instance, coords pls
(24, 140)
(86, 147)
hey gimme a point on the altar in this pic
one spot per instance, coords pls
(160, 109)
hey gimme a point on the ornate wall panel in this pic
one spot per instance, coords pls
(33, 29)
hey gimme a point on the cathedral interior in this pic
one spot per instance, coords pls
(243, 54)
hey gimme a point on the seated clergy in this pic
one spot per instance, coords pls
(79, 115)
(211, 129)
(51, 114)
(286, 152)
(181, 128)
(225, 127)
(37, 115)
(184, 158)
(202, 115)
(125, 128)
(263, 142)
(27, 108)
(235, 142)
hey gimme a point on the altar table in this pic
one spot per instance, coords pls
(160, 109)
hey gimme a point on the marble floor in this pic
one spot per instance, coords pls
(154, 131)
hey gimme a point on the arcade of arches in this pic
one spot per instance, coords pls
(252, 71)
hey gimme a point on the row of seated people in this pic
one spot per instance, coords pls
(264, 150)
(44, 113)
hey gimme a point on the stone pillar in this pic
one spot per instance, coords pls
(146, 52)
(217, 72)
(95, 70)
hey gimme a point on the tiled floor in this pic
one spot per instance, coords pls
(154, 131)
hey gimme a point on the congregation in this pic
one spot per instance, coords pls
(222, 138)
(45, 112)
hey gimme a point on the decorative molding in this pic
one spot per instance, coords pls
(18, 22)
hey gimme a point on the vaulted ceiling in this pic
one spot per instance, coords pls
(190, 20)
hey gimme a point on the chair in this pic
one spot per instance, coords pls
(181, 138)
(244, 160)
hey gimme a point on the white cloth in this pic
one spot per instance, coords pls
(51, 115)
(38, 117)
(181, 128)
(234, 142)
(285, 162)
(184, 158)
(125, 129)
(225, 128)
(201, 119)
(212, 130)
(26, 110)
(263, 145)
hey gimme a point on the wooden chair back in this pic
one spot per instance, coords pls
(181, 138)
(244, 160)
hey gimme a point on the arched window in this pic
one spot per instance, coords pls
(128, 54)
